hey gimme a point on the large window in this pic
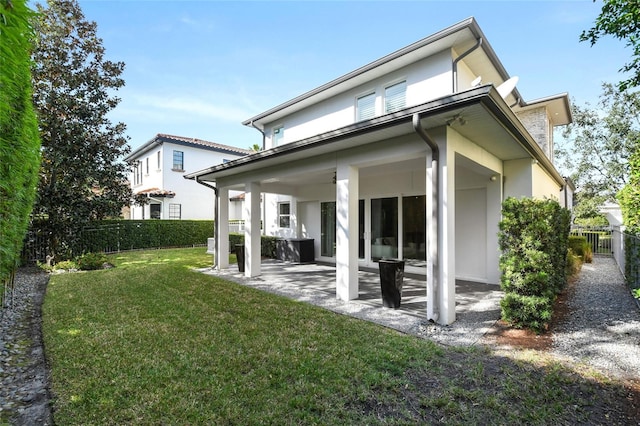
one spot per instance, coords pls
(366, 107)
(278, 136)
(384, 228)
(414, 222)
(395, 97)
(178, 161)
(284, 215)
(328, 229)
(174, 211)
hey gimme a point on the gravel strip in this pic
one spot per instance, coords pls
(602, 329)
(24, 395)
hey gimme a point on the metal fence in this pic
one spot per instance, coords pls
(599, 237)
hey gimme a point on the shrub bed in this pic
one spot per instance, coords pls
(534, 243)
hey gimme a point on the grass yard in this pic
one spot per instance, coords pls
(153, 342)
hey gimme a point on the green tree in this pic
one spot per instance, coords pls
(597, 148)
(629, 197)
(620, 19)
(19, 141)
(83, 176)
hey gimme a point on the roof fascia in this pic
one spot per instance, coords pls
(464, 24)
(561, 100)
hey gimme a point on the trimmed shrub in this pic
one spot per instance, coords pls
(534, 243)
(91, 261)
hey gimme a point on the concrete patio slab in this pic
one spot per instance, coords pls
(477, 305)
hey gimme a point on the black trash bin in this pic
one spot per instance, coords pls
(391, 276)
(240, 256)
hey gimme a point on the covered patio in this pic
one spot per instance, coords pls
(477, 304)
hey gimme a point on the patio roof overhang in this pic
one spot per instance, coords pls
(479, 114)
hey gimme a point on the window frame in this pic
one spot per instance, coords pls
(181, 164)
(284, 216)
(172, 211)
(279, 130)
(388, 86)
(359, 117)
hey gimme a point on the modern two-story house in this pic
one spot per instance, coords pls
(158, 167)
(407, 157)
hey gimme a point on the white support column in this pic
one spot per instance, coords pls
(222, 223)
(347, 185)
(251, 216)
(431, 244)
(447, 245)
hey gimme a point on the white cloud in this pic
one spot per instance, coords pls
(190, 106)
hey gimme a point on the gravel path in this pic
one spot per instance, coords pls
(602, 329)
(24, 395)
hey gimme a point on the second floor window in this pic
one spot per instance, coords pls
(159, 159)
(278, 136)
(137, 173)
(366, 107)
(178, 160)
(147, 167)
(395, 97)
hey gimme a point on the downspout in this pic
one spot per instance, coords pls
(264, 136)
(435, 213)
(458, 59)
(215, 222)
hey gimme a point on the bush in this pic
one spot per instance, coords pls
(581, 247)
(267, 244)
(65, 265)
(534, 242)
(91, 261)
(574, 263)
(532, 312)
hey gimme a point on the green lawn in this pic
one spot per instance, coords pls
(153, 342)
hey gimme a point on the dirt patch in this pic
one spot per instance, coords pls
(503, 335)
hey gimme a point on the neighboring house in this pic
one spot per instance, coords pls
(157, 172)
(407, 157)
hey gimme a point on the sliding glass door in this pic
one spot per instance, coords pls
(384, 228)
(328, 229)
(414, 222)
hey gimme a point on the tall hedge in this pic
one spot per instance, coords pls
(533, 239)
(19, 140)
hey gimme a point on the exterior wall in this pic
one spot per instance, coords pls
(196, 201)
(518, 179)
(544, 186)
(537, 122)
(427, 79)
(478, 198)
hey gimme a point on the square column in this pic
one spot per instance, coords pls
(447, 244)
(347, 186)
(251, 216)
(222, 224)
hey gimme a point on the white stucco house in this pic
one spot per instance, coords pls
(158, 167)
(407, 157)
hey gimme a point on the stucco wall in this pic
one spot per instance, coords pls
(427, 79)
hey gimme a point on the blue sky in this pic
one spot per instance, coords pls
(199, 68)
